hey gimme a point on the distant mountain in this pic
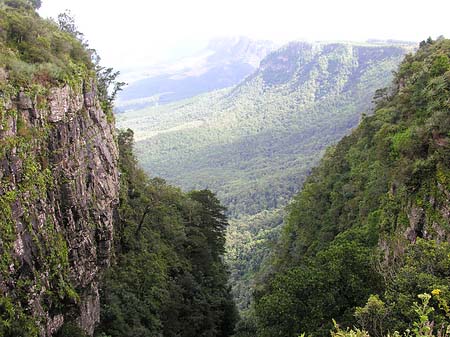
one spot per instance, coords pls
(255, 143)
(302, 98)
(224, 63)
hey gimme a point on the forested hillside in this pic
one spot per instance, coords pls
(251, 142)
(372, 219)
(169, 278)
(255, 143)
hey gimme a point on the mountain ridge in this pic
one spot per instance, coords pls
(224, 62)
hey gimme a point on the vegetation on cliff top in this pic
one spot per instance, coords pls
(35, 50)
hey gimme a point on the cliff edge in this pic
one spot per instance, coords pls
(58, 178)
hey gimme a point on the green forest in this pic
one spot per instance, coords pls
(339, 223)
(254, 144)
(371, 222)
(169, 278)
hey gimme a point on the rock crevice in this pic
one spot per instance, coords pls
(58, 190)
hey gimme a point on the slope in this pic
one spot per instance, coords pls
(373, 217)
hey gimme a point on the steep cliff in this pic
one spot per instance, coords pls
(58, 179)
(62, 218)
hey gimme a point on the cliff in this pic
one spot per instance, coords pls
(58, 179)
(59, 186)
(62, 217)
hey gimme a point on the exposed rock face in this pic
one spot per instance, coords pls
(423, 220)
(58, 194)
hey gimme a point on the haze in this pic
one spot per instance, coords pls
(134, 33)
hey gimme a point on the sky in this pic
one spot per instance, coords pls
(135, 33)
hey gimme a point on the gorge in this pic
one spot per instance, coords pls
(314, 193)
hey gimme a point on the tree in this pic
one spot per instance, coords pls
(212, 217)
(108, 86)
(36, 3)
(28, 4)
(66, 23)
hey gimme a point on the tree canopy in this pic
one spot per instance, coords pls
(169, 278)
(371, 218)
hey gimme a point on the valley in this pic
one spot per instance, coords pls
(249, 190)
(255, 143)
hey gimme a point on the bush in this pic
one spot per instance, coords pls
(71, 329)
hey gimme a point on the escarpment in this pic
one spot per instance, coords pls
(58, 193)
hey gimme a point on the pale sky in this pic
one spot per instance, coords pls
(136, 32)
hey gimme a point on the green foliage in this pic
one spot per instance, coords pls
(425, 267)
(255, 144)
(423, 325)
(14, 322)
(71, 330)
(41, 51)
(248, 243)
(372, 316)
(327, 287)
(35, 50)
(371, 218)
(338, 332)
(169, 278)
(107, 87)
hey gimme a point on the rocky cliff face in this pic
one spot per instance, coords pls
(58, 192)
